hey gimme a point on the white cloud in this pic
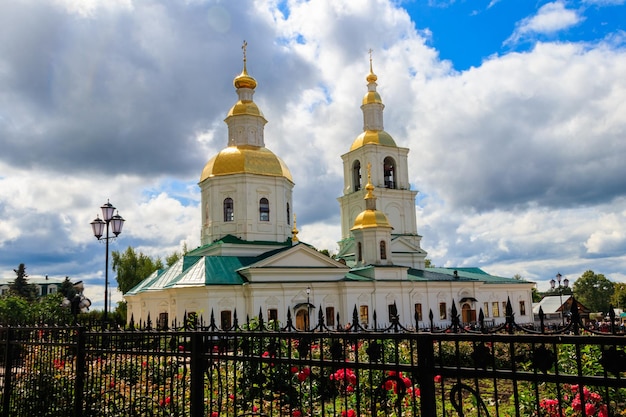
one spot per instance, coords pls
(514, 159)
(550, 18)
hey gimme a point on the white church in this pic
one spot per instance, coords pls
(250, 260)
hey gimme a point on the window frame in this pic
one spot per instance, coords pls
(264, 210)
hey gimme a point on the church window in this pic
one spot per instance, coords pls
(272, 314)
(390, 172)
(330, 316)
(495, 309)
(522, 308)
(162, 323)
(383, 250)
(364, 315)
(443, 311)
(392, 311)
(486, 309)
(264, 210)
(226, 319)
(360, 250)
(229, 212)
(418, 311)
(356, 175)
(288, 215)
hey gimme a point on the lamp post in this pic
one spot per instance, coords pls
(99, 225)
(308, 309)
(560, 288)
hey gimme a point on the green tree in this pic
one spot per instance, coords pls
(174, 257)
(67, 289)
(132, 268)
(537, 296)
(594, 291)
(428, 263)
(20, 287)
(619, 295)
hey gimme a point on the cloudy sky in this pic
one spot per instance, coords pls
(514, 111)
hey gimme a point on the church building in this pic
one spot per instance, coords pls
(251, 261)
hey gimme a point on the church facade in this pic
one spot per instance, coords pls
(251, 261)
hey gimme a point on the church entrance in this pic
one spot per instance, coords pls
(302, 319)
(467, 314)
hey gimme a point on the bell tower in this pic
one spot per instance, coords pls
(389, 174)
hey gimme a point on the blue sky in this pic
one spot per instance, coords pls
(512, 111)
(468, 31)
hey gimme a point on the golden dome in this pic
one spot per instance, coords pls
(378, 137)
(370, 218)
(245, 159)
(372, 97)
(243, 80)
(245, 107)
(371, 77)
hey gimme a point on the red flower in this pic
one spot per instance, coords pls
(437, 379)
(168, 400)
(301, 376)
(294, 369)
(214, 414)
(604, 411)
(590, 409)
(296, 413)
(181, 348)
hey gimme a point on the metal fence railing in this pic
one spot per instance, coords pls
(263, 369)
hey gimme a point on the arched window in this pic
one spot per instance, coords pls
(383, 250)
(264, 210)
(229, 212)
(356, 175)
(389, 172)
(360, 250)
(288, 215)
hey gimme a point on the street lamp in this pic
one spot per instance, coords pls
(308, 309)
(98, 225)
(553, 283)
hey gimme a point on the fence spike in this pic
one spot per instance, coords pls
(575, 316)
(456, 321)
(431, 317)
(510, 316)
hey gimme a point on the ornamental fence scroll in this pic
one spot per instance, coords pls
(261, 368)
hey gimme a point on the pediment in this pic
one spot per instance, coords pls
(404, 245)
(298, 256)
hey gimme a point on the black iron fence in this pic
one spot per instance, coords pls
(263, 369)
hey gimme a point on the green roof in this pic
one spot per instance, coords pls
(230, 239)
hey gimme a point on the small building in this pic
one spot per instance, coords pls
(556, 310)
(44, 285)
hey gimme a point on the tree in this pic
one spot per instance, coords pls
(594, 291)
(619, 295)
(428, 263)
(67, 289)
(20, 287)
(132, 268)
